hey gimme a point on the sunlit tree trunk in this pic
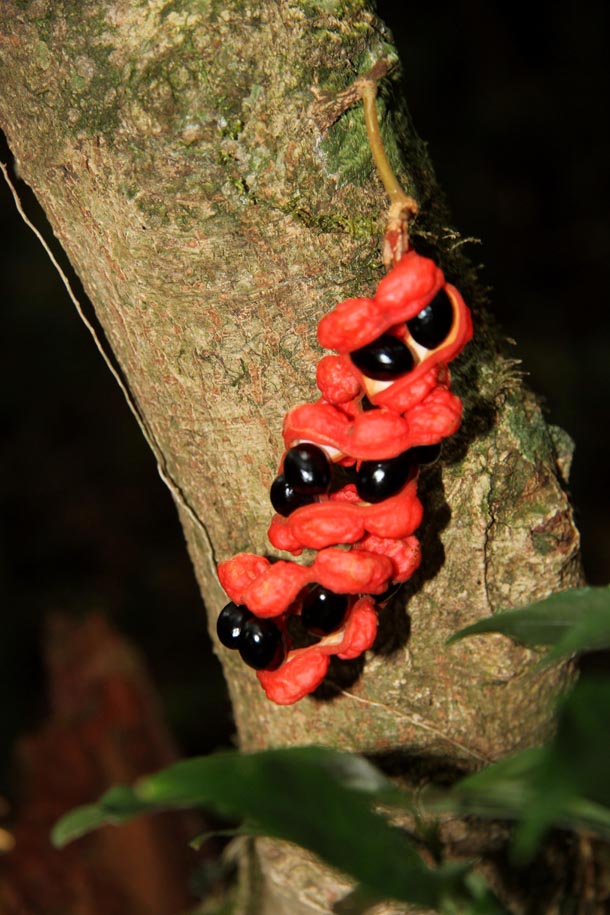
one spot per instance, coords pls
(214, 205)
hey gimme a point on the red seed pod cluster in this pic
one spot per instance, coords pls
(347, 482)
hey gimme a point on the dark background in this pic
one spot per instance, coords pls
(513, 103)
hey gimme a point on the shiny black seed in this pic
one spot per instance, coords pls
(284, 499)
(378, 480)
(323, 611)
(261, 646)
(426, 454)
(307, 469)
(230, 624)
(366, 404)
(384, 359)
(432, 325)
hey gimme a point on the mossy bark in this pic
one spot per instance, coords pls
(183, 157)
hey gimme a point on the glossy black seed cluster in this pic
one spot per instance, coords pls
(259, 641)
(307, 474)
(387, 357)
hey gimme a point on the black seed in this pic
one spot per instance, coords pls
(384, 359)
(307, 469)
(432, 325)
(323, 611)
(284, 499)
(230, 624)
(366, 404)
(378, 480)
(261, 646)
(426, 454)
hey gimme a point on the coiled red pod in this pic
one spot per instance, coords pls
(385, 399)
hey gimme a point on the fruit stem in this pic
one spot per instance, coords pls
(402, 207)
(371, 120)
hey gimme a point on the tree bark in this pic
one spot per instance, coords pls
(214, 208)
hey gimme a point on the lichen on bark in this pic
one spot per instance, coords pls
(177, 150)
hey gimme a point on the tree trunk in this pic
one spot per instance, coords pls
(214, 208)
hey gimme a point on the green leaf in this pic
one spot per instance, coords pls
(571, 621)
(565, 784)
(573, 782)
(501, 790)
(77, 823)
(318, 798)
(580, 750)
(116, 806)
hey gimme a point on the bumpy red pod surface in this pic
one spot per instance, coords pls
(386, 403)
(305, 668)
(337, 520)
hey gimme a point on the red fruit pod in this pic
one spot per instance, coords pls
(404, 554)
(406, 392)
(300, 674)
(336, 521)
(351, 571)
(438, 416)
(401, 394)
(336, 379)
(348, 324)
(304, 669)
(362, 547)
(376, 435)
(360, 630)
(278, 587)
(413, 281)
(236, 574)
(278, 584)
(400, 295)
(314, 529)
